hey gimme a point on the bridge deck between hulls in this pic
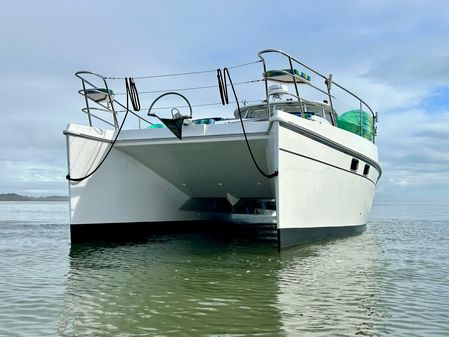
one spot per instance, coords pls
(209, 168)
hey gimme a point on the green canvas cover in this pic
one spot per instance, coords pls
(350, 121)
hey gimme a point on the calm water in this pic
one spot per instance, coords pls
(392, 280)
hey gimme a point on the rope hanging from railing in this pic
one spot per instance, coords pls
(222, 87)
(131, 91)
(221, 76)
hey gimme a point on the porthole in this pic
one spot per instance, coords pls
(366, 170)
(354, 164)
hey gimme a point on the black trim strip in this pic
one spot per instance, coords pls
(328, 164)
(332, 144)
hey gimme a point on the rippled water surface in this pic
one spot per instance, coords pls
(392, 280)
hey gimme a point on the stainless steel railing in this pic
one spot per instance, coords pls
(93, 107)
(105, 105)
(328, 82)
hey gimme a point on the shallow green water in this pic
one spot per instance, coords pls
(391, 280)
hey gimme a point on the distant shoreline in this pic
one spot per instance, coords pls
(18, 197)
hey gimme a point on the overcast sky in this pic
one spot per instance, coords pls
(394, 54)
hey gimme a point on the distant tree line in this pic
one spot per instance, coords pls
(18, 197)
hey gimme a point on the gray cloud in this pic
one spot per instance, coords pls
(417, 69)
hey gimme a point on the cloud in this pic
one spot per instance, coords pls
(32, 177)
(414, 155)
(417, 69)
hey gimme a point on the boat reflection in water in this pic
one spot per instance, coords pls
(332, 288)
(208, 285)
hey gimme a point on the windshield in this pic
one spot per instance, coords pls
(320, 109)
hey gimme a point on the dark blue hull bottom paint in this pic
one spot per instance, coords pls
(141, 231)
(289, 237)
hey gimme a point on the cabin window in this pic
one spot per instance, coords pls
(331, 117)
(366, 170)
(354, 164)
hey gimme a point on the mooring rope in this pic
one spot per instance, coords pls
(221, 76)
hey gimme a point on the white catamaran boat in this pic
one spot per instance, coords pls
(286, 165)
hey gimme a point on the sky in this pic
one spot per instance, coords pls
(393, 54)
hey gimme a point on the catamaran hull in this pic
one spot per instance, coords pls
(151, 181)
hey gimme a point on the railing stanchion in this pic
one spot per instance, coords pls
(87, 103)
(328, 83)
(301, 108)
(266, 86)
(111, 101)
